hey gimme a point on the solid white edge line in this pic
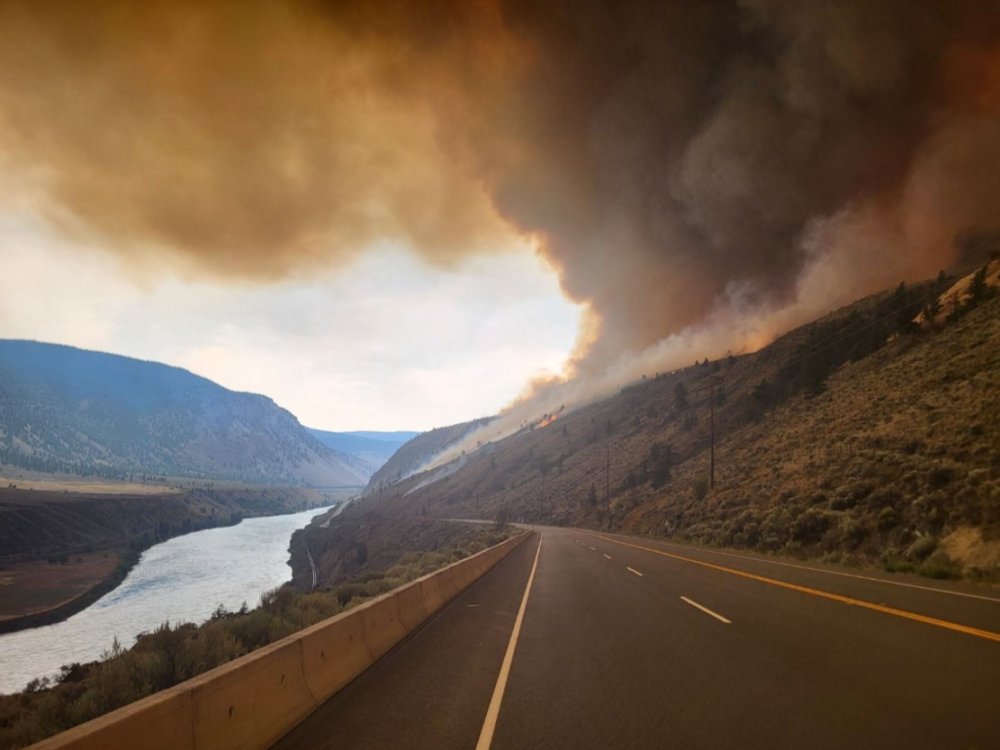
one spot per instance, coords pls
(707, 611)
(493, 712)
(633, 570)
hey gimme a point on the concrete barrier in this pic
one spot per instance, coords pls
(337, 649)
(253, 701)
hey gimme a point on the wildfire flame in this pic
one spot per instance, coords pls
(547, 420)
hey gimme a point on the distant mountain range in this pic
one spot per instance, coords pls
(370, 450)
(64, 409)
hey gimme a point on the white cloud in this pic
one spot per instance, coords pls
(388, 343)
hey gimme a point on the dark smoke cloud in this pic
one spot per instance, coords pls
(685, 165)
(700, 144)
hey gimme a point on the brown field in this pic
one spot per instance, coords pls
(34, 587)
(84, 486)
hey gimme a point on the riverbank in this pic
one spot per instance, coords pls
(51, 539)
(27, 589)
(172, 652)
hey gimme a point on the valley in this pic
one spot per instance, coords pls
(61, 551)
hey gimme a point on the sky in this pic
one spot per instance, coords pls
(387, 343)
(401, 215)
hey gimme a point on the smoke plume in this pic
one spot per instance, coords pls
(701, 173)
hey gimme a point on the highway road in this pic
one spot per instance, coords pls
(580, 639)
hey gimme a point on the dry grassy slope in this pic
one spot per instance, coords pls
(900, 446)
(356, 544)
(917, 449)
(416, 452)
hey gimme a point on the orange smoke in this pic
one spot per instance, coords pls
(699, 171)
(972, 80)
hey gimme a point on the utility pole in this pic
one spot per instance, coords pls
(711, 432)
(607, 478)
(541, 502)
(714, 382)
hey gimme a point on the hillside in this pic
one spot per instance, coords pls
(368, 451)
(415, 453)
(69, 410)
(863, 437)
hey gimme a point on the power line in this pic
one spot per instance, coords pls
(844, 332)
(813, 349)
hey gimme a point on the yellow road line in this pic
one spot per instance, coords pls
(987, 634)
(493, 712)
(827, 571)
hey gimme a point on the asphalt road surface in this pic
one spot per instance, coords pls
(586, 640)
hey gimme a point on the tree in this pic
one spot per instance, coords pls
(978, 288)
(680, 396)
(932, 309)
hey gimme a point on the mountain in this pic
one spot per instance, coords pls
(864, 437)
(417, 452)
(64, 409)
(397, 437)
(368, 449)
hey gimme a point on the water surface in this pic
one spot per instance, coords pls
(181, 580)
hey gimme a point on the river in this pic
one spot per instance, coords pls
(182, 580)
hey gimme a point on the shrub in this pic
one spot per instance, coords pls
(888, 519)
(346, 592)
(853, 533)
(810, 526)
(940, 476)
(921, 548)
(939, 565)
(898, 566)
(885, 497)
(771, 542)
(700, 489)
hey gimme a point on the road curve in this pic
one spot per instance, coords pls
(627, 642)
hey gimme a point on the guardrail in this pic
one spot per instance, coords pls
(253, 701)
